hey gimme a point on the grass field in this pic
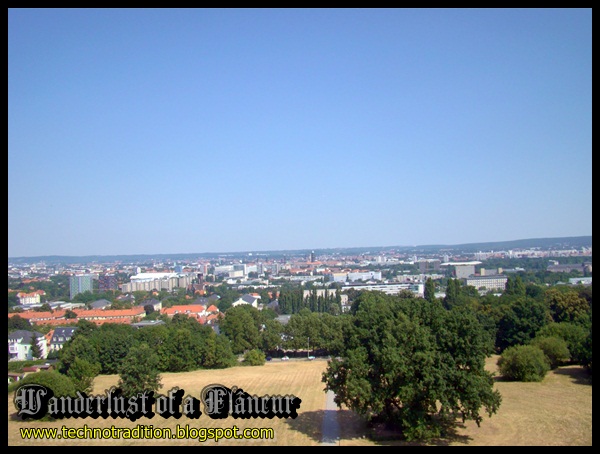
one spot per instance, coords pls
(557, 411)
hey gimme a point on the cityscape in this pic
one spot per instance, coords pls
(299, 227)
(390, 270)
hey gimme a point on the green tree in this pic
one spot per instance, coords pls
(271, 335)
(520, 322)
(112, 342)
(60, 384)
(554, 348)
(254, 357)
(413, 364)
(85, 328)
(452, 293)
(573, 334)
(69, 314)
(183, 351)
(515, 286)
(523, 363)
(217, 353)
(35, 350)
(82, 373)
(139, 372)
(566, 306)
(241, 328)
(79, 347)
(16, 322)
(429, 290)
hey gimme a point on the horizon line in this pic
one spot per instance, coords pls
(256, 251)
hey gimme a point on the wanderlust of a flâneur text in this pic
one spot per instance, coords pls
(218, 402)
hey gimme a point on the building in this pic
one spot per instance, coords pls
(364, 276)
(80, 283)
(157, 281)
(60, 335)
(156, 304)
(391, 289)
(101, 316)
(252, 300)
(145, 323)
(19, 345)
(426, 266)
(100, 304)
(462, 270)
(580, 280)
(107, 282)
(322, 292)
(567, 268)
(336, 277)
(191, 310)
(497, 282)
(27, 299)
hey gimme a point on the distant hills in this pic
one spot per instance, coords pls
(575, 242)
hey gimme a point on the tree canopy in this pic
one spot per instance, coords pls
(414, 364)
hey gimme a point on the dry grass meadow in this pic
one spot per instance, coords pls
(557, 411)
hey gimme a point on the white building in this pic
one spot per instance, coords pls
(252, 300)
(157, 281)
(364, 276)
(19, 344)
(497, 282)
(323, 291)
(27, 299)
(391, 289)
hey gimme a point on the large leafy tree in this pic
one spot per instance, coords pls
(78, 348)
(567, 305)
(216, 352)
(83, 373)
(139, 372)
(112, 343)
(17, 322)
(414, 364)
(521, 321)
(241, 327)
(183, 351)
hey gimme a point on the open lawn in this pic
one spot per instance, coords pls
(557, 411)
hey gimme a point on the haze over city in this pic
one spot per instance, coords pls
(141, 131)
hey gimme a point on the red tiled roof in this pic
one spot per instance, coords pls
(184, 309)
(98, 316)
(39, 315)
(25, 295)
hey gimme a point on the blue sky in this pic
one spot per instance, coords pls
(141, 131)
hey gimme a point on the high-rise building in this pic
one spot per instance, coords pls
(107, 282)
(81, 283)
(312, 257)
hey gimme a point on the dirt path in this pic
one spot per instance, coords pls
(331, 425)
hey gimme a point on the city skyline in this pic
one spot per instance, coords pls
(157, 131)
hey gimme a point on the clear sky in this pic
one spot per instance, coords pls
(141, 131)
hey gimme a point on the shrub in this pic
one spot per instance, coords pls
(574, 335)
(554, 348)
(524, 363)
(60, 384)
(254, 358)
